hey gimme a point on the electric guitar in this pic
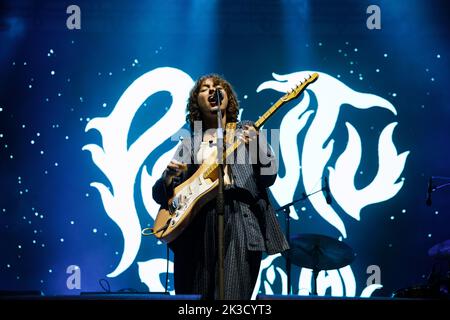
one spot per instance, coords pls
(190, 196)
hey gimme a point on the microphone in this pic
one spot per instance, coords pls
(217, 97)
(429, 191)
(326, 189)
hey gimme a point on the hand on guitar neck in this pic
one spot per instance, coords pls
(174, 169)
(248, 134)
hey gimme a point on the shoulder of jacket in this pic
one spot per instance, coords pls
(242, 123)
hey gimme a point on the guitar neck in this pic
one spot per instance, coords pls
(260, 122)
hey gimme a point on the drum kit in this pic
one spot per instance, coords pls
(440, 250)
(438, 282)
(318, 252)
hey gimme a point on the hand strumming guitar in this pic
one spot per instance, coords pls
(174, 169)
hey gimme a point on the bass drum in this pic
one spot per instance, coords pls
(421, 292)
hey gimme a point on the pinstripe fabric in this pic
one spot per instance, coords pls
(251, 227)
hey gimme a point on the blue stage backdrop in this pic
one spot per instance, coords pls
(92, 101)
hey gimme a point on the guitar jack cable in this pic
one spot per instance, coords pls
(149, 232)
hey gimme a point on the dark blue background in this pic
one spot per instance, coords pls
(244, 41)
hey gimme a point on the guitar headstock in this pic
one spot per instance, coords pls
(292, 94)
(295, 92)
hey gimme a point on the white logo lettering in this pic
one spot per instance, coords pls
(121, 161)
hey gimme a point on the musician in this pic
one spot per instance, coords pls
(251, 226)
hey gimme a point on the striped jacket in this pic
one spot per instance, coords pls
(261, 229)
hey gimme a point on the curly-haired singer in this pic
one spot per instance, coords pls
(250, 224)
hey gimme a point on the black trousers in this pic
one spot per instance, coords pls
(195, 256)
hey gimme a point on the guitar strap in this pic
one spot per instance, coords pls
(230, 130)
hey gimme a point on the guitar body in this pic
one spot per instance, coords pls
(189, 197)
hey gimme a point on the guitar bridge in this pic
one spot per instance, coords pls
(173, 206)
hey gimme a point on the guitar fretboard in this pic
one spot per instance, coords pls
(260, 122)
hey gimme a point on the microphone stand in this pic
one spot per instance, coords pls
(287, 211)
(220, 203)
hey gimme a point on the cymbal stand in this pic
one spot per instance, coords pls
(287, 211)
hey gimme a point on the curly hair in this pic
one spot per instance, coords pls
(193, 109)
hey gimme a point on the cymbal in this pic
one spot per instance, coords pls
(440, 250)
(319, 252)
